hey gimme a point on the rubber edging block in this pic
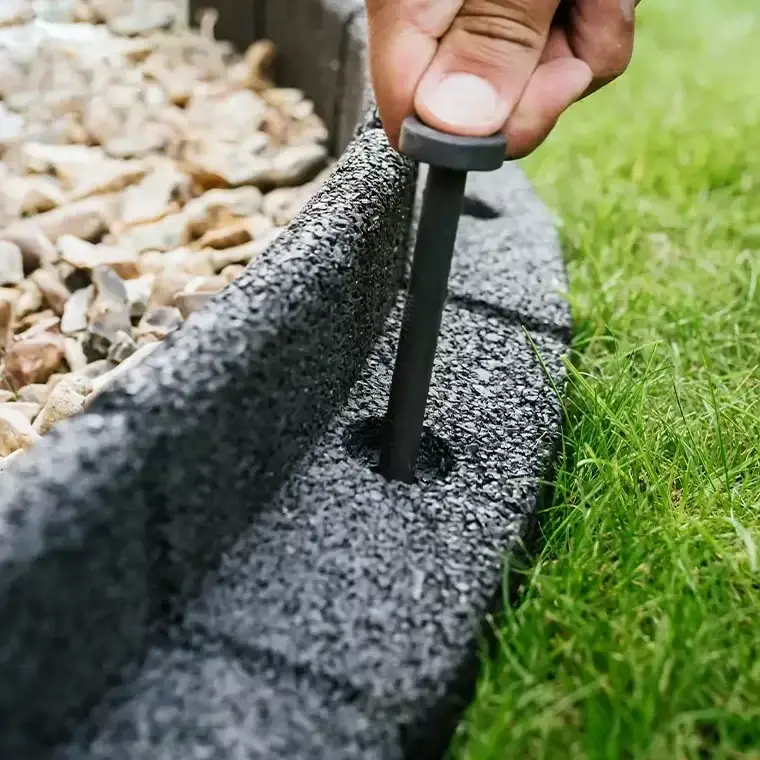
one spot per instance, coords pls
(374, 593)
(508, 255)
(206, 702)
(154, 482)
(74, 590)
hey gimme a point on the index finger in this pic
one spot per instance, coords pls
(403, 39)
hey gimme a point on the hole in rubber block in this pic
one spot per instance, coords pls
(434, 461)
(478, 209)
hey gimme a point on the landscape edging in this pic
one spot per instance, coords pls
(145, 536)
(118, 514)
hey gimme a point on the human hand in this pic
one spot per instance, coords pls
(474, 67)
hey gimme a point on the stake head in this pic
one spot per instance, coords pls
(467, 154)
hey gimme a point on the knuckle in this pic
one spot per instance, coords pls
(609, 57)
(616, 61)
(513, 22)
(602, 40)
(431, 17)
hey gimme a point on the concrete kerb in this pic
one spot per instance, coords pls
(165, 531)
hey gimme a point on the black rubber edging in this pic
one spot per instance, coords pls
(345, 621)
(207, 552)
(117, 515)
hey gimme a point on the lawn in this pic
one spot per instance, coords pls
(636, 634)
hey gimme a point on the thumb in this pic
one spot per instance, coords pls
(483, 64)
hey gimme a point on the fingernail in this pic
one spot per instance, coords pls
(627, 8)
(464, 102)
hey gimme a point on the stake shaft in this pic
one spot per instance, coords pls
(434, 248)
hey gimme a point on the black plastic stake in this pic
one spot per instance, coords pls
(450, 158)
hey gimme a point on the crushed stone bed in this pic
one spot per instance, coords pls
(143, 165)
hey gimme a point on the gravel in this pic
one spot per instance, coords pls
(143, 165)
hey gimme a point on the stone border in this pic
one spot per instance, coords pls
(202, 564)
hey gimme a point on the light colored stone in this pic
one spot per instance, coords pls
(198, 263)
(226, 237)
(138, 294)
(74, 354)
(83, 255)
(283, 204)
(25, 196)
(65, 161)
(163, 235)
(36, 250)
(109, 313)
(218, 207)
(35, 393)
(160, 322)
(131, 175)
(243, 254)
(293, 166)
(33, 360)
(12, 79)
(74, 319)
(63, 402)
(228, 115)
(156, 196)
(101, 120)
(177, 81)
(232, 271)
(198, 293)
(82, 12)
(259, 60)
(99, 384)
(55, 378)
(36, 324)
(16, 432)
(148, 17)
(5, 462)
(12, 295)
(80, 383)
(152, 262)
(122, 348)
(30, 299)
(7, 316)
(29, 409)
(166, 286)
(15, 13)
(11, 263)
(111, 176)
(206, 285)
(150, 139)
(54, 292)
(97, 369)
(259, 225)
(87, 219)
(40, 194)
(187, 303)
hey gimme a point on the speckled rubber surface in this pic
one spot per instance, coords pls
(204, 565)
(349, 588)
(518, 271)
(117, 516)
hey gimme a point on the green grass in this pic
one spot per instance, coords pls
(637, 633)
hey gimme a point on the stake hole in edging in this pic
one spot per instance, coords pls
(435, 461)
(478, 209)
